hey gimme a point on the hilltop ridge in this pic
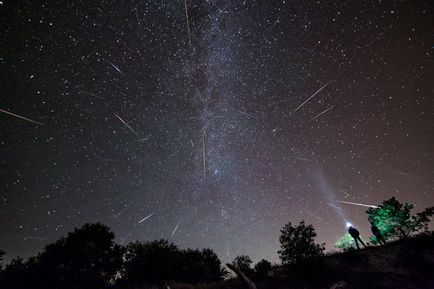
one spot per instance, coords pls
(402, 264)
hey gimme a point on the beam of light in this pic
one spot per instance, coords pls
(327, 191)
(115, 67)
(357, 204)
(335, 207)
(126, 124)
(318, 91)
(188, 23)
(321, 113)
(174, 230)
(349, 224)
(147, 217)
(19, 116)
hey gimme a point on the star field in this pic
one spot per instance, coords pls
(216, 130)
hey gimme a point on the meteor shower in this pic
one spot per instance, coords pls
(210, 144)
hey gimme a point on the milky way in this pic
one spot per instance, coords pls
(211, 123)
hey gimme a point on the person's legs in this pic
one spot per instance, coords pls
(361, 241)
(379, 241)
(357, 243)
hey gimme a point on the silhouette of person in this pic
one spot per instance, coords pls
(376, 232)
(356, 236)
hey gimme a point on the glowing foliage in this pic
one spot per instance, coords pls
(395, 220)
(346, 243)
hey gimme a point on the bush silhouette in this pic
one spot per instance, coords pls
(153, 262)
(262, 268)
(16, 274)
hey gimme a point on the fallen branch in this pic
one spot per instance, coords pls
(243, 276)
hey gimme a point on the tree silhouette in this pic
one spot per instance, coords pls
(394, 219)
(2, 253)
(243, 262)
(199, 266)
(86, 258)
(158, 262)
(89, 258)
(297, 243)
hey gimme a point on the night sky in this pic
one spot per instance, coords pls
(215, 126)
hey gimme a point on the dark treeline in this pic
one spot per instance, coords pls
(89, 258)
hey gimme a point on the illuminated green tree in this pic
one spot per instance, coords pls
(346, 243)
(396, 221)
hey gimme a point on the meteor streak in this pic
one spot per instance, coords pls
(247, 114)
(357, 204)
(174, 230)
(35, 238)
(145, 218)
(126, 124)
(188, 23)
(318, 91)
(19, 116)
(142, 139)
(204, 154)
(115, 67)
(304, 159)
(321, 113)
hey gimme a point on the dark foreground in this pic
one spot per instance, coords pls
(403, 264)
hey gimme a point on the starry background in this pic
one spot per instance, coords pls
(222, 148)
